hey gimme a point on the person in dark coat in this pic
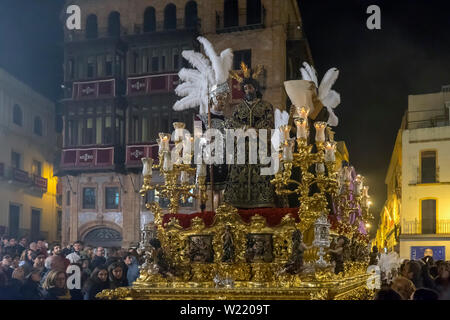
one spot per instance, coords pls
(16, 283)
(97, 282)
(117, 276)
(31, 290)
(99, 258)
(55, 286)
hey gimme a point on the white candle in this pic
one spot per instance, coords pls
(285, 130)
(287, 151)
(167, 164)
(201, 170)
(147, 164)
(320, 168)
(320, 131)
(302, 129)
(330, 149)
(301, 112)
(358, 184)
(165, 138)
(184, 177)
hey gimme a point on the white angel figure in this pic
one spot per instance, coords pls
(281, 118)
(329, 98)
(207, 80)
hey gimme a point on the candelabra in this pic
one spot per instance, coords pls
(324, 176)
(175, 167)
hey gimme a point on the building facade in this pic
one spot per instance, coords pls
(119, 78)
(424, 182)
(28, 189)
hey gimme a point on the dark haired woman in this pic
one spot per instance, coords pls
(97, 282)
(117, 277)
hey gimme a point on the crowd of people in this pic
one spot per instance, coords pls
(422, 279)
(33, 271)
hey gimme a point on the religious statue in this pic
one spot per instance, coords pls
(200, 249)
(259, 248)
(246, 187)
(158, 260)
(228, 245)
(295, 262)
(339, 254)
(207, 86)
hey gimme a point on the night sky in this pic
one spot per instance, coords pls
(378, 68)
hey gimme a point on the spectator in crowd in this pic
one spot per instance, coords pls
(6, 264)
(99, 258)
(77, 248)
(55, 286)
(425, 294)
(16, 283)
(87, 253)
(404, 287)
(33, 246)
(97, 282)
(5, 290)
(39, 263)
(23, 244)
(15, 262)
(117, 277)
(387, 294)
(442, 281)
(66, 250)
(31, 290)
(26, 260)
(413, 272)
(133, 268)
(113, 256)
(42, 247)
(13, 248)
(73, 257)
(85, 267)
(53, 263)
(56, 250)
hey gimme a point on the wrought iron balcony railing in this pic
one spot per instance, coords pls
(415, 227)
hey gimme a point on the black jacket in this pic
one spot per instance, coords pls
(93, 287)
(97, 261)
(31, 290)
(57, 294)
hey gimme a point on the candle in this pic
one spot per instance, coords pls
(167, 164)
(301, 112)
(201, 171)
(330, 149)
(147, 164)
(320, 168)
(179, 128)
(184, 177)
(285, 129)
(366, 191)
(287, 150)
(320, 131)
(165, 138)
(347, 174)
(302, 129)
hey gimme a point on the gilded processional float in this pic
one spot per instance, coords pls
(291, 226)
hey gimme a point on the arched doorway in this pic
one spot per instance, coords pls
(104, 237)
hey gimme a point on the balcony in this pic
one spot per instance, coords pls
(89, 158)
(151, 84)
(414, 227)
(427, 118)
(102, 33)
(135, 152)
(93, 89)
(22, 178)
(222, 28)
(159, 27)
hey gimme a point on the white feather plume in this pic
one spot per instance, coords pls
(329, 98)
(197, 82)
(281, 118)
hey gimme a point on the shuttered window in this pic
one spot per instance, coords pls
(429, 216)
(428, 167)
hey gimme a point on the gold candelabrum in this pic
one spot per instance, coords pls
(324, 175)
(353, 198)
(175, 167)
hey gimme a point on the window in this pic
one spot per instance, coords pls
(100, 64)
(17, 115)
(90, 67)
(428, 216)
(254, 12)
(16, 160)
(68, 198)
(163, 63)
(111, 197)
(230, 13)
(88, 198)
(35, 224)
(36, 168)
(114, 24)
(155, 64)
(109, 65)
(91, 27)
(190, 14)
(37, 128)
(242, 56)
(428, 166)
(14, 220)
(149, 20)
(170, 17)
